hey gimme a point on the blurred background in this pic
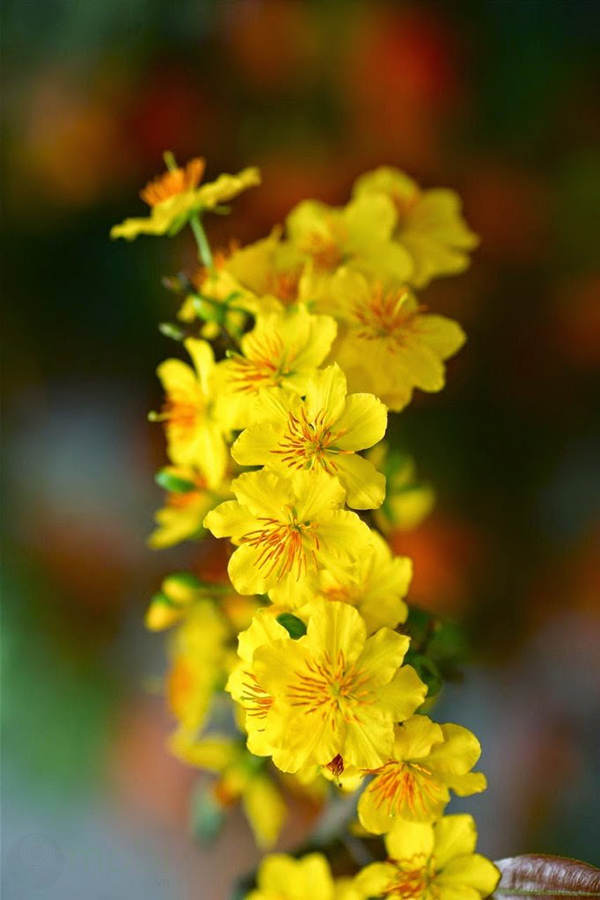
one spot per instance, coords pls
(496, 98)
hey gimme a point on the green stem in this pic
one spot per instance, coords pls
(204, 254)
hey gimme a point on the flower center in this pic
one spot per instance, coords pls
(413, 878)
(181, 412)
(326, 249)
(306, 443)
(329, 687)
(173, 182)
(404, 785)
(285, 547)
(284, 285)
(386, 316)
(405, 205)
(266, 364)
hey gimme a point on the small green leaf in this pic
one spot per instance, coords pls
(172, 483)
(294, 626)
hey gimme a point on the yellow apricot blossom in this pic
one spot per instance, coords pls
(388, 345)
(358, 235)
(323, 431)
(375, 585)
(271, 271)
(431, 862)
(286, 528)
(282, 351)
(187, 503)
(198, 669)
(281, 877)
(430, 225)
(194, 415)
(335, 692)
(427, 760)
(241, 777)
(176, 196)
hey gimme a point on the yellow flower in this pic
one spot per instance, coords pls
(281, 877)
(195, 419)
(430, 225)
(282, 351)
(272, 271)
(175, 196)
(431, 862)
(286, 528)
(357, 235)
(388, 345)
(324, 431)
(243, 684)
(198, 653)
(241, 778)
(335, 694)
(188, 501)
(407, 500)
(427, 760)
(374, 585)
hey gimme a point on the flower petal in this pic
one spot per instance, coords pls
(363, 421)
(364, 485)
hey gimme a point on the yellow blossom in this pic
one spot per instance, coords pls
(198, 654)
(430, 225)
(431, 862)
(323, 431)
(187, 504)
(358, 235)
(335, 694)
(388, 345)
(375, 585)
(194, 416)
(272, 271)
(407, 500)
(282, 351)
(427, 760)
(176, 195)
(281, 877)
(243, 684)
(286, 528)
(241, 777)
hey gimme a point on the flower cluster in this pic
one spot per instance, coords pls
(297, 348)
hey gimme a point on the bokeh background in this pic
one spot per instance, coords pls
(496, 98)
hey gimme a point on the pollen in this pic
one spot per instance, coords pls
(329, 686)
(400, 785)
(266, 364)
(285, 547)
(307, 443)
(413, 878)
(386, 316)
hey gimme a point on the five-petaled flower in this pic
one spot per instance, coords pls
(427, 760)
(286, 528)
(431, 862)
(323, 431)
(336, 693)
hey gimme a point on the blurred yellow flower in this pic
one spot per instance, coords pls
(175, 196)
(430, 225)
(187, 503)
(281, 877)
(427, 760)
(272, 271)
(194, 415)
(286, 528)
(375, 585)
(242, 777)
(408, 501)
(335, 693)
(388, 345)
(431, 862)
(322, 432)
(282, 351)
(198, 652)
(358, 235)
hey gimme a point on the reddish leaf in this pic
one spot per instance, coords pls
(548, 877)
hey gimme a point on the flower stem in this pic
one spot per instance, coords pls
(204, 254)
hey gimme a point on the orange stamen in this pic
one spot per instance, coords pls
(173, 182)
